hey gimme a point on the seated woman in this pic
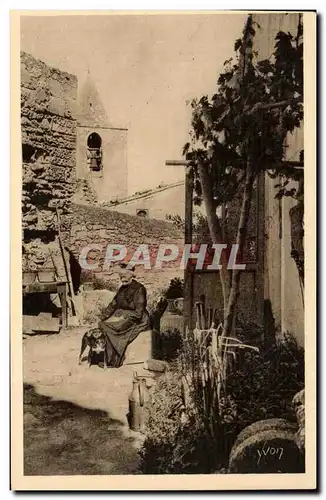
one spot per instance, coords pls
(125, 317)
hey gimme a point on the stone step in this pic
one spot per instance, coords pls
(140, 350)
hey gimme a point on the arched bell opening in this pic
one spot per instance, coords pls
(94, 151)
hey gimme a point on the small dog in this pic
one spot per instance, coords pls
(95, 340)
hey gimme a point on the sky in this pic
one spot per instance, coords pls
(145, 68)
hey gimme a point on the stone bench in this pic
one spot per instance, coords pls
(140, 350)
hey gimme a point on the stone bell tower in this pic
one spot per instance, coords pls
(101, 147)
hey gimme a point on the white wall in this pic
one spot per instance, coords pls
(159, 204)
(282, 285)
(112, 181)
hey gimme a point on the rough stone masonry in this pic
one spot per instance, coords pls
(48, 129)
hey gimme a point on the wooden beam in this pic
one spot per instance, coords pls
(294, 164)
(41, 287)
(62, 291)
(189, 189)
(66, 266)
(188, 295)
(183, 163)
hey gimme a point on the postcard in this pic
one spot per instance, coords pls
(163, 249)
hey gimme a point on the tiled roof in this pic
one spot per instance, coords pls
(145, 194)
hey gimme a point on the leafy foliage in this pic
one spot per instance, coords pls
(264, 384)
(170, 344)
(176, 220)
(256, 104)
(200, 229)
(261, 386)
(174, 445)
(175, 289)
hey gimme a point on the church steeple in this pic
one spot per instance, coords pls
(101, 147)
(91, 111)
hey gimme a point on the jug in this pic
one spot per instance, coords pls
(138, 401)
(178, 305)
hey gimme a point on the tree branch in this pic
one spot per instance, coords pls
(272, 105)
(293, 164)
(230, 314)
(260, 106)
(214, 225)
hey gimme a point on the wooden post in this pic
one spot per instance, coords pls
(188, 295)
(62, 291)
(189, 188)
(66, 267)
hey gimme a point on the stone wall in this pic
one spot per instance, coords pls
(95, 225)
(48, 132)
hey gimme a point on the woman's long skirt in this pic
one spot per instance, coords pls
(117, 342)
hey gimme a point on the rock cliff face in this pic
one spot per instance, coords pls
(48, 129)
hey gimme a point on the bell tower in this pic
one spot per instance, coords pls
(101, 147)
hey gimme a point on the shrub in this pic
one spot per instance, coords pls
(201, 233)
(264, 384)
(260, 385)
(176, 220)
(174, 290)
(173, 446)
(170, 344)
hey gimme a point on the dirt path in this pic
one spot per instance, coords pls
(75, 416)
